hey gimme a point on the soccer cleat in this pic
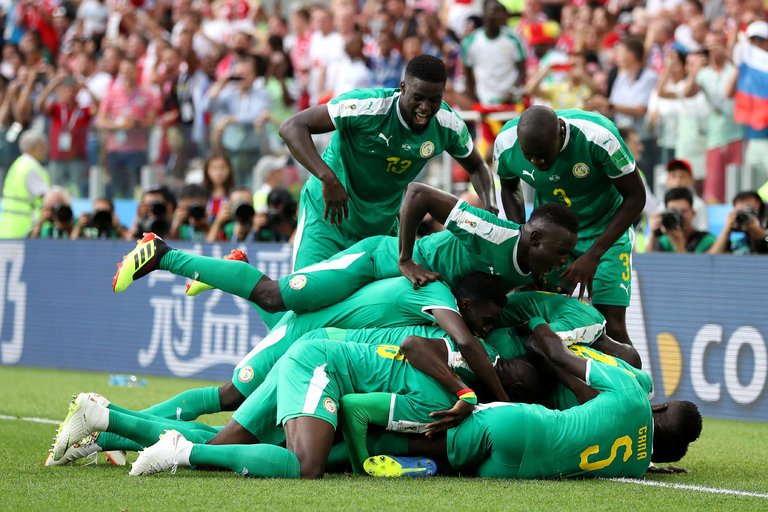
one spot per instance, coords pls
(161, 456)
(116, 457)
(196, 287)
(139, 262)
(391, 466)
(85, 417)
(86, 449)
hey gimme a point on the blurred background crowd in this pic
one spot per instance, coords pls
(175, 103)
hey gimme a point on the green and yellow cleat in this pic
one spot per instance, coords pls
(139, 262)
(389, 466)
(196, 287)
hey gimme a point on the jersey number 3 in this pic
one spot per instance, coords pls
(586, 465)
(560, 194)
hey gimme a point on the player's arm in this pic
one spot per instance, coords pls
(512, 199)
(297, 133)
(623, 351)
(570, 369)
(357, 411)
(582, 270)
(471, 349)
(420, 200)
(481, 179)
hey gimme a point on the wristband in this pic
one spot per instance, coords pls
(536, 321)
(467, 395)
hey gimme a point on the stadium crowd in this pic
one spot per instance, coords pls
(177, 103)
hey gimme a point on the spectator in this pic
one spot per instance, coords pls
(297, 43)
(218, 181)
(680, 175)
(270, 174)
(68, 133)
(351, 71)
(236, 222)
(326, 46)
(751, 106)
(240, 47)
(494, 59)
(55, 216)
(279, 80)
(673, 231)
(747, 219)
(240, 106)
(280, 222)
(24, 186)
(126, 114)
(154, 213)
(100, 224)
(190, 221)
(571, 93)
(388, 66)
(710, 73)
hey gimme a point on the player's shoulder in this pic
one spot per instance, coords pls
(507, 137)
(594, 127)
(449, 119)
(471, 38)
(360, 102)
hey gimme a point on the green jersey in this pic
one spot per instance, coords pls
(396, 335)
(375, 155)
(608, 436)
(593, 154)
(698, 243)
(383, 303)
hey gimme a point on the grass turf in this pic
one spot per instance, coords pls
(729, 455)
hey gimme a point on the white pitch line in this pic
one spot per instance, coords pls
(33, 420)
(699, 488)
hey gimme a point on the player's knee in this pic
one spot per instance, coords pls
(230, 398)
(311, 471)
(267, 295)
(233, 433)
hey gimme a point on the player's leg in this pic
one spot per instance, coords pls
(612, 287)
(316, 239)
(310, 439)
(189, 404)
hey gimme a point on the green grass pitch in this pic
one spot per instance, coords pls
(730, 455)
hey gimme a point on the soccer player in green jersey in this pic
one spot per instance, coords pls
(614, 433)
(382, 139)
(474, 241)
(578, 158)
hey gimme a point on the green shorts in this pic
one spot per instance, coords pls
(613, 280)
(409, 413)
(257, 414)
(332, 280)
(252, 369)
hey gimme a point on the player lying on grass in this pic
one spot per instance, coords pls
(474, 241)
(615, 432)
(302, 392)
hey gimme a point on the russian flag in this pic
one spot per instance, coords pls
(751, 105)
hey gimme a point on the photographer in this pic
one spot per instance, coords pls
(237, 222)
(748, 223)
(190, 222)
(281, 217)
(55, 216)
(672, 230)
(154, 213)
(100, 224)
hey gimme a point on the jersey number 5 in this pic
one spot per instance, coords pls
(396, 165)
(586, 465)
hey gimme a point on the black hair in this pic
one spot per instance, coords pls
(193, 191)
(482, 286)
(106, 200)
(556, 214)
(636, 46)
(427, 68)
(751, 194)
(163, 190)
(678, 193)
(626, 131)
(282, 200)
(523, 381)
(677, 427)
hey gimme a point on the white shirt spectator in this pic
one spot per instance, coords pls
(633, 91)
(348, 74)
(323, 51)
(94, 15)
(493, 63)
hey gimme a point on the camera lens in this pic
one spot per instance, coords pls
(158, 208)
(102, 220)
(671, 219)
(62, 212)
(196, 211)
(244, 212)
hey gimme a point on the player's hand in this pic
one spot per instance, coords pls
(580, 272)
(417, 274)
(665, 470)
(335, 198)
(450, 418)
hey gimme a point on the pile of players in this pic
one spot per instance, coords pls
(422, 350)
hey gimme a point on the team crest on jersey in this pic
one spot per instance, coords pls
(245, 374)
(350, 106)
(427, 149)
(581, 170)
(298, 282)
(329, 405)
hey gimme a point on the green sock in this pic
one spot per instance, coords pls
(176, 424)
(109, 442)
(147, 432)
(235, 277)
(338, 459)
(387, 443)
(188, 405)
(256, 460)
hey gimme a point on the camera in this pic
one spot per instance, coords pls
(62, 213)
(155, 222)
(744, 216)
(158, 208)
(102, 221)
(671, 219)
(243, 212)
(196, 211)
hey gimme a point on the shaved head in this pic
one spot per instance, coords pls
(539, 133)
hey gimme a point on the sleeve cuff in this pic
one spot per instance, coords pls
(536, 321)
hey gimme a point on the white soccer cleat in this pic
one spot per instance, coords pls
(163, 455)
(86, 448)
(116, 457)
(84, 418)
(104, 402)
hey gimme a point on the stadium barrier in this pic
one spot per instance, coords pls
(698, 321)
